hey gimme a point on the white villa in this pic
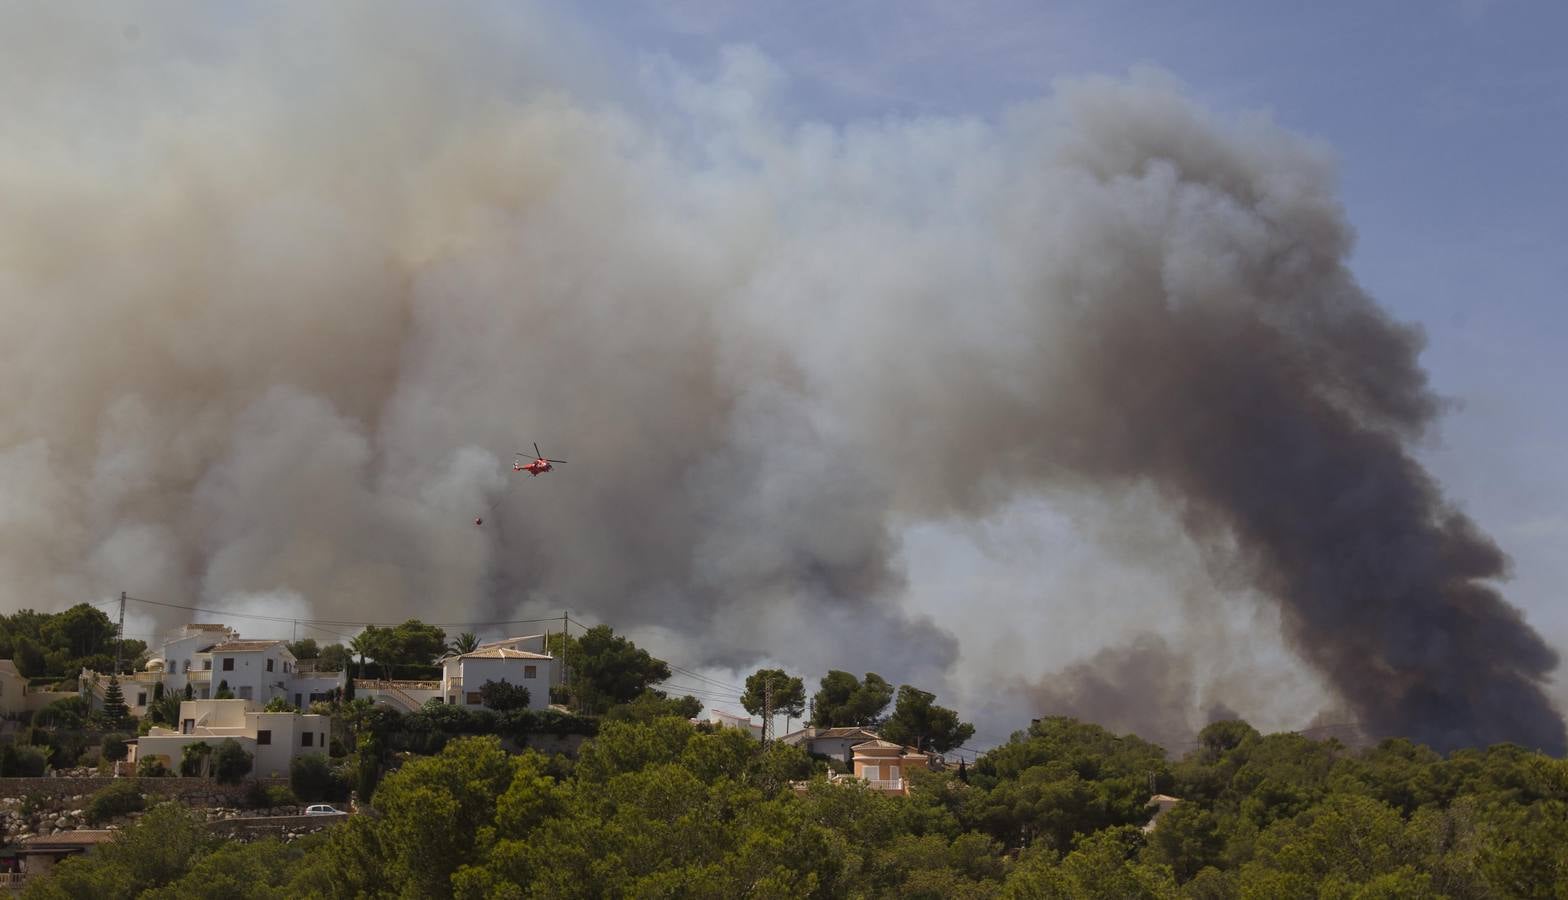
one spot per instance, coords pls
(725, 719)
(205, 657)
(519, 661)
(274, 739)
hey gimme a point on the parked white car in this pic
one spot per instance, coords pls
(323, 809)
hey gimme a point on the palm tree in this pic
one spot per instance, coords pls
(467, 642)
(361, 644)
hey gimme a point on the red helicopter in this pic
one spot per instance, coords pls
(538, 466)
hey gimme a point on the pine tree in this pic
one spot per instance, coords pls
(114, 708)
(190, 693)
(223, 692)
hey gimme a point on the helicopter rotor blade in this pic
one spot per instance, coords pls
(561, 461)
(537, 454)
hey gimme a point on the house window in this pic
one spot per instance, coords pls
(141, 698)
(263, 737)
(530, 671)
(245, 692)
(206, 665)
(269, 665)
(473, 698)
(306, 738)
(297, 703)
(228, 664)
(187, 726)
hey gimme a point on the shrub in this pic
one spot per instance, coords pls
(113, 748)
(278, 704)
(230, 762)
(313, 779)
(151, 767)
(196, 760)
(259, 796)
(67, 713)
(115, 800)
(23, 761)
(503, 695)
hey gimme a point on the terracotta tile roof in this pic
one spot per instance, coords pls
(504, 653)
(844, 732)
(877, 745)
(83, 838)
(244, 646)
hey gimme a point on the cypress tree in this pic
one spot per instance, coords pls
(114, 708)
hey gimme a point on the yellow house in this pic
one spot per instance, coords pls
(16, 696)
(885, 765)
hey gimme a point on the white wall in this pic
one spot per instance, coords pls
(476, 672)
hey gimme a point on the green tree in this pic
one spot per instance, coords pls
(117, 799)
(918, 722)
(1187, 838)
(789, 694)
(230, 762)
(503, 696)
(223, 692)
(312, 778)
(159, 848)
(196, 760)
(304, 649)
(412, 643)
(83, 630)
(332, 658)
(113, 748)
(842, 699)
(433, 807)
(653, 704)
(467, 642)
(151, 767)
(29, 657)
(606, 669)
(114, 708)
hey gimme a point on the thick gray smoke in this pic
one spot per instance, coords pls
(280, 298)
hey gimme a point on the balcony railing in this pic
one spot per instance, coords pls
(891, 785)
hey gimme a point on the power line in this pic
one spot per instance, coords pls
(341, 623)
(700, 677)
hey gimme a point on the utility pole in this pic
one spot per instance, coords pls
(767, 711)
(566, 637)
(119, 644)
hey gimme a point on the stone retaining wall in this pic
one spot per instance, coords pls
(199, 792)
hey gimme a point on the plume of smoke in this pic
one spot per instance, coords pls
(282, 295)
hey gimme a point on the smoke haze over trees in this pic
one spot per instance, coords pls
(276, 322)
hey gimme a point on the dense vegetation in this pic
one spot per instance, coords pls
(663, 809)
(60, 645)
